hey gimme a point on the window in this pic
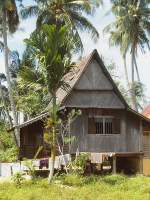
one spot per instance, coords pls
(103, 125)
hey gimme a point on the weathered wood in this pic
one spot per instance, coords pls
(140, 136)
(93, 78)
(146, 144)
(93, 99)
(126, 141)
(133, 133)
(114, 165)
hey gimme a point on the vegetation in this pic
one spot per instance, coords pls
(130, 31)
(9, 21)
(78, 165)
(33, 81)
(52, 46)
(112, 187)
(18, 178)
(8, 150)
(70, 13)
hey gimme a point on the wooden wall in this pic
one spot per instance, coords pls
(31, 137)
(93, 90)
(127, 141)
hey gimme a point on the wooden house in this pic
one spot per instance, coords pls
(107, 123)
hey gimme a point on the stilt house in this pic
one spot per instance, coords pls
(107, 123)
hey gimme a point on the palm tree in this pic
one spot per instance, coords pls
(130, 31)
(33, 97)
(69, 12)
(9, 22)
(116, 39)
(52, 46)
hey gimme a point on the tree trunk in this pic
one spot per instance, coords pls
(6, 53)
(53, 146)
(129, 86)
(8, 115)
(126, 71)
(133, 87)
(137, 71)
(5, 107)
(138, 77)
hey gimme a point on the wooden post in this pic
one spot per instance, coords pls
(114, 165)
(141, 164)
(141, 137)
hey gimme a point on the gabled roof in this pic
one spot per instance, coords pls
(74, 75)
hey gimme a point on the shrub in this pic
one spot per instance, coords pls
(78, 165)
(18, 178)
(31, 168)
(73, 180)
(8, 149)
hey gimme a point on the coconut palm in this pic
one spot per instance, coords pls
(9, 21)
(69, 12)
(130, 31)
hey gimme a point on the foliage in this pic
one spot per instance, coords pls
(71, 13)
(111, 187)
(31, 168)
(130, 31)
(79, 163)
(4, 100)
(31, 91)
(18, 178)
(52, 46)
(12, 14)
(8, 149)
(73, 180)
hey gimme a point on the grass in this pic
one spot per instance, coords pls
(112, 187)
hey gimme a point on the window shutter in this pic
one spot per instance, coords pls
(116, 126)
(91, 126)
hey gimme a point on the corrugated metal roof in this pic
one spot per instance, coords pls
(146, 112)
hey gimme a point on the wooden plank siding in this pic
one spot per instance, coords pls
(146, 144)
(93, 99)
(93, 78)
(126, 141)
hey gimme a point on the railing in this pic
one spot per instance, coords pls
(29, 151)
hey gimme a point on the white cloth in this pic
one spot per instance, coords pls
(96, 157)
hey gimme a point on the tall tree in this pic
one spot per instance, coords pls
(4, 101)
(52, 46)
(9, 21)
(33, 95)
(131, 31)
(65, 12)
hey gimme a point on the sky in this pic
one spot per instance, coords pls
(110, 54)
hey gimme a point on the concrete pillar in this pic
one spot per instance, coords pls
(114, 165)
